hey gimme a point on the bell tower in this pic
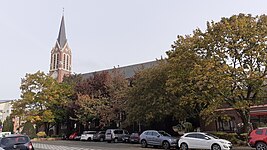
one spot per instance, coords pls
(60, 60)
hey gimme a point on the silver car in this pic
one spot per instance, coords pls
(157, 138)
(116, 135)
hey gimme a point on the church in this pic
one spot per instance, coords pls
(61, 59)
(61, 65)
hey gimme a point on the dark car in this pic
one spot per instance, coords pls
(16, 142)
(134, 138)
(99, 136)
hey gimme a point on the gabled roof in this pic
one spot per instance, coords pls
(62, 34)
(127, 71)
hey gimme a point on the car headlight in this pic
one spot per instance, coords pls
(172, 140)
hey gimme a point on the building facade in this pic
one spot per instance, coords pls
(61, 59)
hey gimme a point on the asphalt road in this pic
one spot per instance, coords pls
(85, 145)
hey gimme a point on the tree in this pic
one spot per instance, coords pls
(97, 97)
(42, 99)
(8, 125)
(230, 69)
(114, 107)
(28, 129)
(148, 100)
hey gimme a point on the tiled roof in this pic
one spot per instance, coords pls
(128, 71)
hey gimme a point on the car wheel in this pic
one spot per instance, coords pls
(183, 146)
(101, 139)
(166, 145)
(143, 144)
(215, 147)
(261, 146)
(116, 140)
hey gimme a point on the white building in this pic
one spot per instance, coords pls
(5, 109)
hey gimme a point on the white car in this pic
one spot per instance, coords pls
(200, 140)
(87, 135)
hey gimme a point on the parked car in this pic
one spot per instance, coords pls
(77, 137)
(200, 140)
(16, 142)
(3, 134)
(73, 135)
(134, 138)
(116, 135)
(157, 138)
(99, 136)
(258, 138)
(87, 135)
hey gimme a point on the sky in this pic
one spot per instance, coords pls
(101, 33)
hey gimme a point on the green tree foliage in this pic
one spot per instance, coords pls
(8, 125)
(148, 100)
(29, 129)
(42, 99)
(75, 82)
(227, 66)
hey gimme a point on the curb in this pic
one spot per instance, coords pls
(243, 148)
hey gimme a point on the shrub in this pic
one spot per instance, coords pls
(232, 137)
(41, 134)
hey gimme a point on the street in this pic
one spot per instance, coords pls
(84, 145)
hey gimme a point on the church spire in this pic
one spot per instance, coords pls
(62, 35)
(60, 64)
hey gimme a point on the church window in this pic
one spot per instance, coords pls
(64, 61)
(57, 61)
(54, 64)
(67, 62)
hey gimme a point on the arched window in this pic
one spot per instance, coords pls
(64, 61)
(54, 64)
(57, 65)
(67, 62)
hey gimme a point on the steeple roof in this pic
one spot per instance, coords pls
(62, 34)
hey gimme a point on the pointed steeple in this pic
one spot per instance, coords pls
(62, 34)
(60, 61)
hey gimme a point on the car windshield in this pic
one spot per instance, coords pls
(89, 132)
(213, 136)
(164, 133)
(135, 134)
(118, 132)
(14, 140)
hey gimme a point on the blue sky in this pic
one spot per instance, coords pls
(101, 33)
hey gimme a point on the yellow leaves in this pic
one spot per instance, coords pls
(41, 98)
(89, 105)
(242, 105)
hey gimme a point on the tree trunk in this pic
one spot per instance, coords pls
(245, 117)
